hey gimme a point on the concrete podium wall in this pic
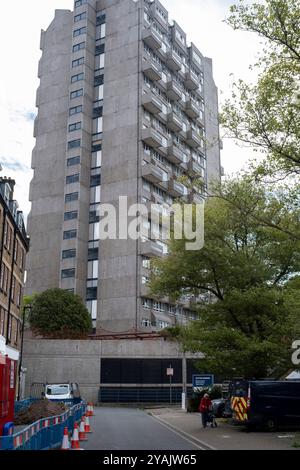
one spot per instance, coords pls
(80, 361)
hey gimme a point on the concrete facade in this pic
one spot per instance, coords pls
(125, 106)
(80, 361)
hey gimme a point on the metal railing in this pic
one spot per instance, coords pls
(46, 433)
(140, 395)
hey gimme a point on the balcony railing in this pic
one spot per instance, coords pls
(150, 249)
(152, 38)
(151, 103)
(152, 138)
(175, 155)
(151, 70)
(154, 174)
(174, 122)
(192, 109)
(191, 80)
(173, 91)
(173, 60)
(193, 139)
(177, 189)
(195, 168)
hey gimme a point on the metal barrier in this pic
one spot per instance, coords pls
(141, 394)
(46, 433)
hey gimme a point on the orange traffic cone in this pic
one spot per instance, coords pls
(75, 439)
(87, 426)
(82, 435)
(91, 409)
(65, 443)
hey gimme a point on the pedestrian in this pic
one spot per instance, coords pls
(204, 408)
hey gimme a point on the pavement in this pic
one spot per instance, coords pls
(225, 436)
(117, 428)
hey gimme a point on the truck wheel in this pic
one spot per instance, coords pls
(270, 424)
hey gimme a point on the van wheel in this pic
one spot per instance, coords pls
(270, 424)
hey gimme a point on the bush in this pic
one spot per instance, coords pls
(58, 314)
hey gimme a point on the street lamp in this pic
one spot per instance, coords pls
(26, 307)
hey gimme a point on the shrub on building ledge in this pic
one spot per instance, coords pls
(58, 314)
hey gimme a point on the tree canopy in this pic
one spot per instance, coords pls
(60, 314)
(243, 268)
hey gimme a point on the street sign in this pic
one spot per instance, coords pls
(170, 371)
(203, 380)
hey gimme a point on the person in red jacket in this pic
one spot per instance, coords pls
(204, 408)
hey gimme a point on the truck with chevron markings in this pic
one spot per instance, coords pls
(265, 403)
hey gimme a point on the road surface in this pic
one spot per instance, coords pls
(132, 429)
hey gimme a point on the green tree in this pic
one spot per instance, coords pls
(266, 115)
(251, 320)
(57, 313)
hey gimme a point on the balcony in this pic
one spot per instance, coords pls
(150, 249)
(195, 168)
(191, 80)
(193, 139)
(151, 103)
(152, 138)
(151, 70)
(173, 60)
(192, 109)
(152, 38)
(174, 122)
(173, 91)
(177, 189)
(154, 174)
(175, 155)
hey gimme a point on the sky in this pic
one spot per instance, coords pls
(21, 22)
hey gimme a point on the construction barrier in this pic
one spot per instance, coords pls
(44, 434)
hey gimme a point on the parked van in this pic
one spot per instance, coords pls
(266, 403)
(56, 391)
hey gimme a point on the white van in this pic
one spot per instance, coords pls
(58, 392)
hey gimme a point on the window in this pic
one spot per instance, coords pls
(146, 303)
(98, 125)
(101, 17)
(100, 49)
(146, 322)
(100, 31)
(75, 110)
(66, 254)
(95, 194)
(77, 78)
(91, 293)
(13, 286)
(99, 80)
(97, 112)
(74, 144)
(79, 47)
(93, 269)
(73, 161)
(71, 215)
(146, 263)
(22, 259)
(94, 231)
(19, 291)
(95, 180)
(72, 179)
(67, 273)
(93, 254)
(69, 234)
(99, 61)
(78, 3)
(96, 159)
(79, 31)
(71, 197)
(93, 217)
(77, 62)
(75, 127)
(16, 251)
(81, 16)
(76, 94)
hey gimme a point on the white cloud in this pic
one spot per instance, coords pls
(21, 22)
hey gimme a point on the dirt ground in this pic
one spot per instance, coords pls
(39, 410)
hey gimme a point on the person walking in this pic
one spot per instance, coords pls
(204, 408)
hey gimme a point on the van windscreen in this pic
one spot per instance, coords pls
(57, 390)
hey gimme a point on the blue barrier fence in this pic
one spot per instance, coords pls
(46, 433)
(23, 404)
